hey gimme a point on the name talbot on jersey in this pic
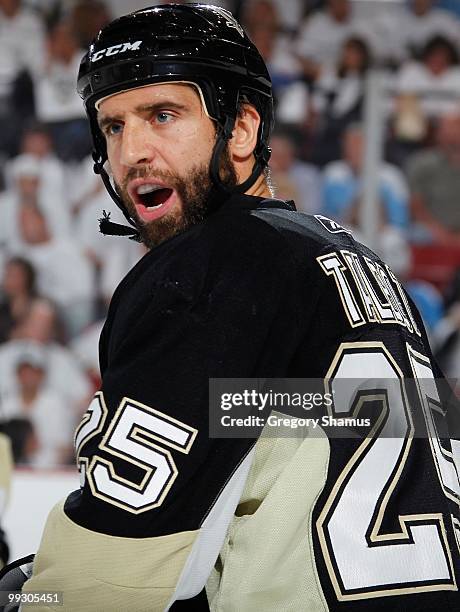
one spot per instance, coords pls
(116, 49)
(375, 296)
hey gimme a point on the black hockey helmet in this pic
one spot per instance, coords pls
(196, 43)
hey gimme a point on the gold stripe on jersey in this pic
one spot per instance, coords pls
(99, 572)
(456, 526)
(267, 555)
(6, 465)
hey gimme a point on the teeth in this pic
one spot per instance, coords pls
(148, 188)
(153, 207)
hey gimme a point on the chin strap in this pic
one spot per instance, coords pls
(107, 227)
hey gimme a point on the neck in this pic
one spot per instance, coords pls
(260, 188)
(29, 396)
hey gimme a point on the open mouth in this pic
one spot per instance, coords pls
(152, 200)
(153, 196)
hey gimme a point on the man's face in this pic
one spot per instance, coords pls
(159, 146)
(37, 143)
(421, 7)
(30, 377)
(339, 9)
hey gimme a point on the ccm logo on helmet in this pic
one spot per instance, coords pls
(116, 49)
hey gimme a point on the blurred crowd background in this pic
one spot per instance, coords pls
(57, 273)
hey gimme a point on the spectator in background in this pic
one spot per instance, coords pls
(334, 101)
(87, 18)
(342, 186)
(64, 373)
(21, 434)
(25, 184)
(21, 53)
(424, 21)
(44, 408)
(292, 13)
(293, 178)
(340, 88)
(57, 102)
(384, 22)
(19, 300)
(64, 275)
(434, 80)
(323, 34)
(404, 29)
(29, 188)
(261, 21)
(36, 141)
(338, 99)
(434, 179)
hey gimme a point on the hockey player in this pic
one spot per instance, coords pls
(239, 285)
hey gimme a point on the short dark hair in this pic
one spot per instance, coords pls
(29, 271)
(362, 46)
(440, 42)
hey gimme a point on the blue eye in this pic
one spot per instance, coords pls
(114, 129)
(164, 117)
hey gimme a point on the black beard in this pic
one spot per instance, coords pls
(194, 192)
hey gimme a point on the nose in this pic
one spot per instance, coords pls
(137, 148)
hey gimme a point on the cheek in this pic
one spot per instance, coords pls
(191, 147)
(113, 164)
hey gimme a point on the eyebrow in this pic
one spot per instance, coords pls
(149, 108)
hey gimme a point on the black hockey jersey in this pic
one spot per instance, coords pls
(283, 523)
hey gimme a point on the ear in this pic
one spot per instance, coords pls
(244, 136)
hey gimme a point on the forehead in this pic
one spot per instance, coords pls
(180, 93)
(353, 135)
(27, 365)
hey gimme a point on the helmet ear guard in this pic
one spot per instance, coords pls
(197, 44)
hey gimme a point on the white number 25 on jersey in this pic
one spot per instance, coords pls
(137, 434)
(362, 561)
